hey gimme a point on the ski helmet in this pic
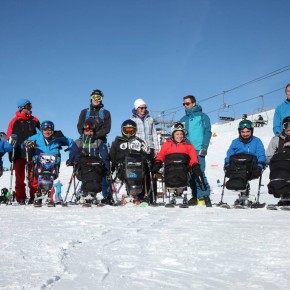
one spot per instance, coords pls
(89, 125)
(129, 128)
(47, 125)
(97, 95)
(2, 136)
(286, 123)
(177, 127)
(4, 191)
(22, 103)
(246, 124)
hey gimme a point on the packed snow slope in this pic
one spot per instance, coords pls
(149, 248)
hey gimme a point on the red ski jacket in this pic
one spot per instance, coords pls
(171, 147)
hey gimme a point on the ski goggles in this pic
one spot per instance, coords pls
(179, 126)
(96, 98)
(129, 130)
(247, 125)
(286, 125)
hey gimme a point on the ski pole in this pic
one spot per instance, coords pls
(69, 185)
(11, 175)
(27, 173)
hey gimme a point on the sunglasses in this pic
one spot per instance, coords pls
(186, 104)
(47, 129)
(143, 108)
(96, 98)
(89, 130)
(286, 125)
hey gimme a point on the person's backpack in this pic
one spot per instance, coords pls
(101, 115)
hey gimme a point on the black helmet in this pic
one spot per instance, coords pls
(89, 125)
(286, 123)
(97, 93)
(47, 124)
(128, 128)
(246, 124)
(4, 191)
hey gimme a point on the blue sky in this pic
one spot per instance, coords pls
(56, 52)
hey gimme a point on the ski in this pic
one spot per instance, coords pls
(272, 207)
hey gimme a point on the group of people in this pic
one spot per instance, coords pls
(246, 157)
(27, 139)
(137, 149)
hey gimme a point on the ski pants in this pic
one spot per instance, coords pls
(194, 184)
(19, 167)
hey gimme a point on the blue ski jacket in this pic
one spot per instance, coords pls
(198, 127)
(4, 147)
(52, 146)
(282, 111)
(254, 147)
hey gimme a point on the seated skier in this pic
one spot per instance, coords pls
(278, 158)
(129, 155)
(92, 163)
(179, 157)
(245, 161)
(44, 148)
(4, 147)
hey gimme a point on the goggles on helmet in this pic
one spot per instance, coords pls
(47, 125)
(179, 126)
(248, 125)
(128, 131)
(96, 98)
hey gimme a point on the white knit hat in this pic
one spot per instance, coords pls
(138, 103)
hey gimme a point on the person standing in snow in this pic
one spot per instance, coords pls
(282, 111)
(146, 131)
(22, 126)
(198, 127)
(58, 186)
(101, 117)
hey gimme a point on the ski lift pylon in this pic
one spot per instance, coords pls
(226, 112)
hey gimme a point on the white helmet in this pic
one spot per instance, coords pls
(178, 126)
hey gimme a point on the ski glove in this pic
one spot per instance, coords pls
(1, 170)
(68, 163)
(196, 169)
(30, 145)
(156, 166)
(227, 170)
(12, 140)
(202, 152)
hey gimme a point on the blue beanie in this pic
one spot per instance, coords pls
(22, 103)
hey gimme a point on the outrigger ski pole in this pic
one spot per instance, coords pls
(257, 204)
(222, 195)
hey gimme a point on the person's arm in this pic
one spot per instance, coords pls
(230, 152)
(277, 122)
(272, 149)
(82, 119)
(207, 132)
(261, 154)
(155, 139)
(106, 128)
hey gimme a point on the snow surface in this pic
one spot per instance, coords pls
(149, 248)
